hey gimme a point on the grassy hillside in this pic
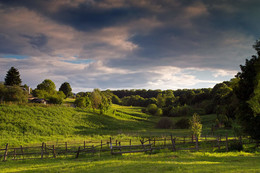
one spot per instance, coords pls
(23, 124)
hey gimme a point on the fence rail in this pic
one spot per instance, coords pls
(116, 147)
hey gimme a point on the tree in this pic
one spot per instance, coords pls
(96, 99)
(196, 126)
(47, 85)
(66, 89)
(248, 94)
(16, 94)
(13, 77)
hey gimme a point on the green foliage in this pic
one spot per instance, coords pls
(116, 100)
(195, 125)
(46, 90)
(179, 111)
(13, 77)
(96, 99)
(48, 86)
(159, 112)
(55, 100)
(248, 95)
(152, 109)
(66, 89)
(165, 123)
(183, 123)
(13, 94)
(80, 102)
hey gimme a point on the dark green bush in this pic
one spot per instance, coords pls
(183, 123)
(152, 108)
(164, 123)
(80, 102)
(237, 146)
(55, 100)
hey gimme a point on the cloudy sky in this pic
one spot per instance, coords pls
(124, 44)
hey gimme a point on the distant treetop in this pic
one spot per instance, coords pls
(13, 77)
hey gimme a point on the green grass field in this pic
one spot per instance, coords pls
(29, 125)
(164, 161)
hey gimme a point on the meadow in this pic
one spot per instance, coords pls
(165, 161)
(29, 125)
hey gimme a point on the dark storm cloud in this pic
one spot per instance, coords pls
(129, 35)
(37, 41)
(85, 16)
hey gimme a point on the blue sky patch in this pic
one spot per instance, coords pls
(79, 61)
(15, 56)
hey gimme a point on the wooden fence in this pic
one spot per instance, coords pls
(147, 145)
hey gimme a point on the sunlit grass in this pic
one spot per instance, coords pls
(164, 161)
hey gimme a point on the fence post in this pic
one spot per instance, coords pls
(192, 138)
(93, 151)
(226, 142)
(218, 142)
(22, 151)
(42, 148)
(173, 144)
(53, 150)
(111, 147)
(240, 140)
(120, 147)
(6, 151)
(78, 152)
(116, 142)
(14, 153)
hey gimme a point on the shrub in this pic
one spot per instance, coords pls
(164, 123)
(183, 123)
(237, 146)
(180, 111)
(152, 108)
(80, 102)
(116, 100)
(55, 100)
(159, 112)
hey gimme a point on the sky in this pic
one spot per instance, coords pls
(127, 44)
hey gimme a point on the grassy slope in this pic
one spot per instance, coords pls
(24, 124)
(27, 124)
(160, 162)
